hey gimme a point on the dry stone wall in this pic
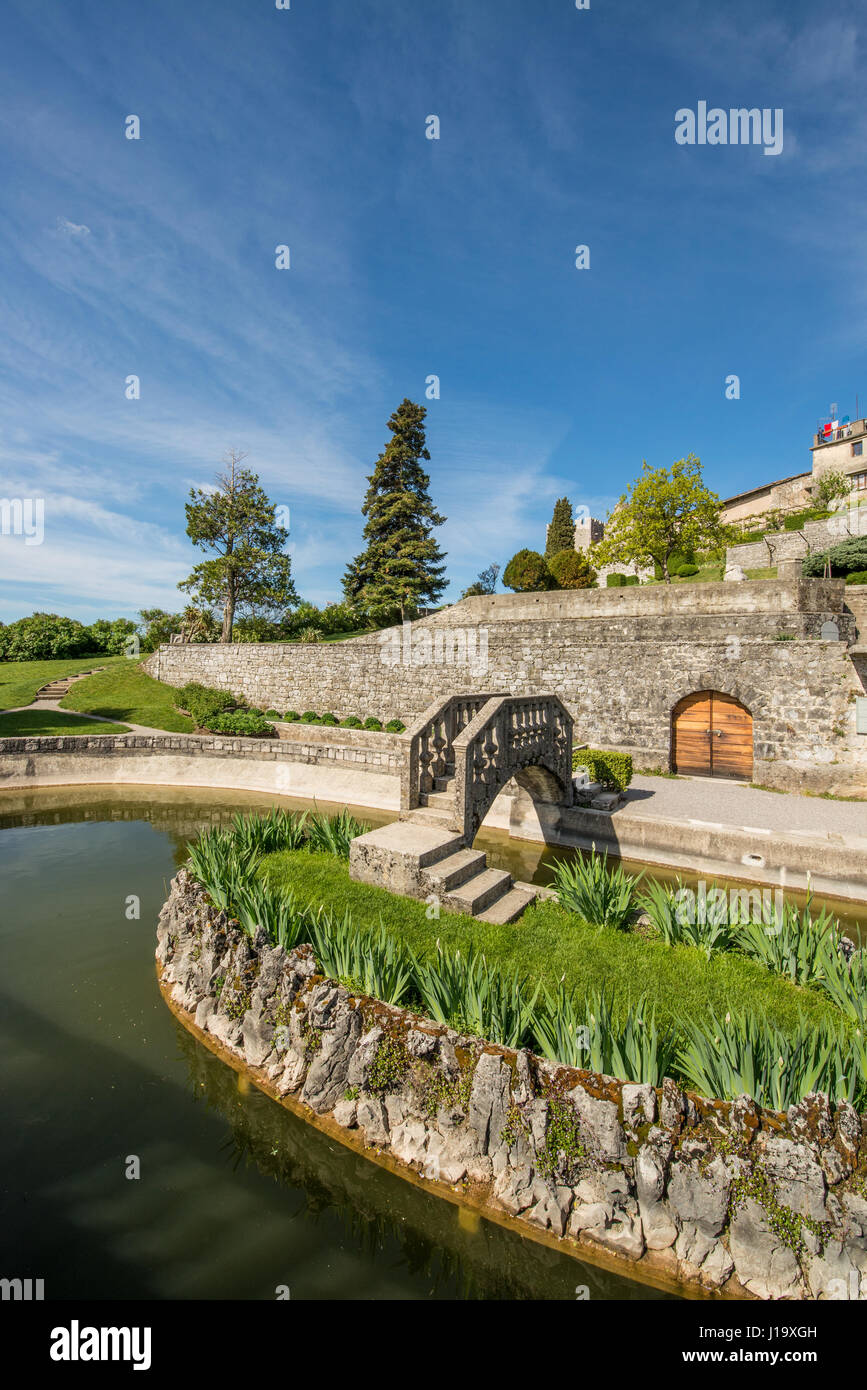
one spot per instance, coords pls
(718, 1196)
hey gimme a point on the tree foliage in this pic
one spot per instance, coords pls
(666, 511)
(43, 636)
(572, 570)
(486, 583)
(528, 572)
(249, 571)
(832, 486)
(401, 566)
(561, 532)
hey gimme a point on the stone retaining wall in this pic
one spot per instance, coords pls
(722, 1197)
(357, 766)
(619, 659)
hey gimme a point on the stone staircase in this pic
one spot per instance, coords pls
(421, 859)
(56, 689)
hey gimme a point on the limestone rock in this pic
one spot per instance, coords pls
(763, 1264)
(599, 1126)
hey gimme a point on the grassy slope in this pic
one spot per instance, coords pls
(125, 692)
(20, 680)
(549, 942)
(47, 723)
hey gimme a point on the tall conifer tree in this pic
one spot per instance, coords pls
(561, 532)
(401, 565)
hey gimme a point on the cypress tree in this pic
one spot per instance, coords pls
(561, 532)
(400, 566)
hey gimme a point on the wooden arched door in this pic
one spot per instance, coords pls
(712, 736)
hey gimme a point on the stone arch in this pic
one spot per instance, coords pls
(540, 782)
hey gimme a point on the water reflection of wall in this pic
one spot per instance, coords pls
(383, 1213)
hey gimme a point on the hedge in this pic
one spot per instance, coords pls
(857, 577)
(612, 770)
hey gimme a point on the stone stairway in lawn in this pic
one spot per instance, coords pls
(422, 859)
(56, 689)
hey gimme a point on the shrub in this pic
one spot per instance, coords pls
(309, 717)
(330, 719)
(528, 572)
(846, 558)
(310, 634)
(603, 897)
(371, 723)
(857, 577)
(615, 581)
(351, 721)
(272, 714)
(45, 635)
(572, 570)
(291, 716)
(395, 726)
(686, 571)
(251, 723)
(611, 770)
(204, 704)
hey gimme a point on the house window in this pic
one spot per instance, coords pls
(857, 449)
(859, 481)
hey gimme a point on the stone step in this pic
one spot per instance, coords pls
(429, 815)
(456, 869)
(478, 892)
(444, 784)
(509, 907)
(445, 799)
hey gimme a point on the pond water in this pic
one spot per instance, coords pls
(236, 1195)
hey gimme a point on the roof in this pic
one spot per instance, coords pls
(765, 487)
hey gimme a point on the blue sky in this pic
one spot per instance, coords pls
(409, 257)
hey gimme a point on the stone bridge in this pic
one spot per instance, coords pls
(460, 754)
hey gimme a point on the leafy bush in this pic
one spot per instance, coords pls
(330, 719)
(528, 572)
(291, 716)
(611, 770)
(250, 723)
(203, 704)
(372, 723)
(395, 726)
(795, 521)
(857, 577)
(309, 717)
(846, 558)
(42, 636)
(572, 570)
(603, 897)
(351, 721)
(686, 571)
(310, 634)
(621, 581)
(272, 714)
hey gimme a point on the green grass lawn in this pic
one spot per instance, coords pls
(547, 942)
(20, 680)
(125, 692)
(46, 723)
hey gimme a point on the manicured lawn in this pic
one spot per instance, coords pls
(20, 680)
(125, 692)
(549, 942)
(45, 723)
